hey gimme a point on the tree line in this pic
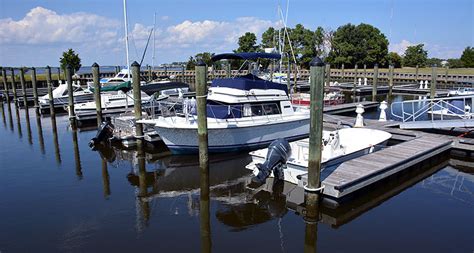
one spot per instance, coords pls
(349, 45)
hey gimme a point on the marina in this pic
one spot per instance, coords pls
(221, 128)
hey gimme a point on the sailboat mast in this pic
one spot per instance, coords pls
(126, 35)
(154, 32)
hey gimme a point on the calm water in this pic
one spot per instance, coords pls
(58, 195)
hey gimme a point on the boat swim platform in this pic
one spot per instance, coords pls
(428, 124)
(384, 89)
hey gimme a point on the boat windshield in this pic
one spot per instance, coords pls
(223, 111)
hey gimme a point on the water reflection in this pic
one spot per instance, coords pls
(77, 157)
(28, 126)
(204, 214)
(105, 179)
(57, 152)
(18, 124)
(3, 115)
(39, 127)
(10, 116)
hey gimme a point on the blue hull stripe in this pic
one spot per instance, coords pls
(184, 149)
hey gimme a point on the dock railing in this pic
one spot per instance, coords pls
(444, 109)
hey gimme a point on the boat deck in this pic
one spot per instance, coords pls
(357, 173)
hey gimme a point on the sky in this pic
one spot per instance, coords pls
(36, 32)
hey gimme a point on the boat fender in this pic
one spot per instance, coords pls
(104, 133)
(278, 153)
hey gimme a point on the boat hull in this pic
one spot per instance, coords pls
(185, 140)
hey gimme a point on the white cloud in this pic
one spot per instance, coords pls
(213, 34)
(43, 26)
(400, 48)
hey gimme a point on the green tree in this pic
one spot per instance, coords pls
(247, 43)
(415, 55)
(70, 58)
(394, 59)
(269, 39)
(455, 63)
(467, 57)
(434, 61)
(205, 57)
(361, 44)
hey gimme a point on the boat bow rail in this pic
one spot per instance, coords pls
(434, 113)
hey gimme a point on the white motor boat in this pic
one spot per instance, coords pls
(338, 146)
(462, 92)
(112, 100)
(243, 113)
(61, 95)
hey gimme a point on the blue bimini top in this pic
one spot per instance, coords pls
(248, 82)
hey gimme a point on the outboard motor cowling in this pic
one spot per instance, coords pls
(278, 153)
(104, 133)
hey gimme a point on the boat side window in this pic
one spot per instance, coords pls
(65, 93)
(264, 109)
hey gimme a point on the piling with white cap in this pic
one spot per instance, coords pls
(426, 84)
(360, 81)
(365, 81)
(421, 85)
(383, 106)
(359, 119)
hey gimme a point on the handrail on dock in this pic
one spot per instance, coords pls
(445, 108)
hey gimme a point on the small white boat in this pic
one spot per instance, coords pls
(338, 146)
(61, 95)
(462, 92)
(112, 100)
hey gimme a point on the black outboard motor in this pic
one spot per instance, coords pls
(278, 153)
(104, 133)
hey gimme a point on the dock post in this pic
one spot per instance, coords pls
(342, 73)
(98, 102)
(328, 74)
(390, 79)
(50, 91)
(183, 72)
(229, 69)
(166, 70)
(72, 116)
(416, 74)
(365, 71)
(137, 102)
(149, 73)
(355, 74)
(374, 81)
(446, 76)
(35, 89)
(23, 88)
(201, 93)
(5, 84)
(433, 82)
(15, 95)
(316, 130)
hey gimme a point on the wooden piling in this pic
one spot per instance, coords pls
(72, 114)
(446, 76)
(433, 82)
(416, 74)
(50, 91)
(149, 73)
(137, 102)
(183, 72)
(365, 72)
(23, 87)
(316, 129)
(15, 95)
(97, 99)
(328, 74)
(35, 89)
(5, 84)
(374, 81)
(201, 93)
(355, 74)
(229, 70)
(390, 79)
(342, 73)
